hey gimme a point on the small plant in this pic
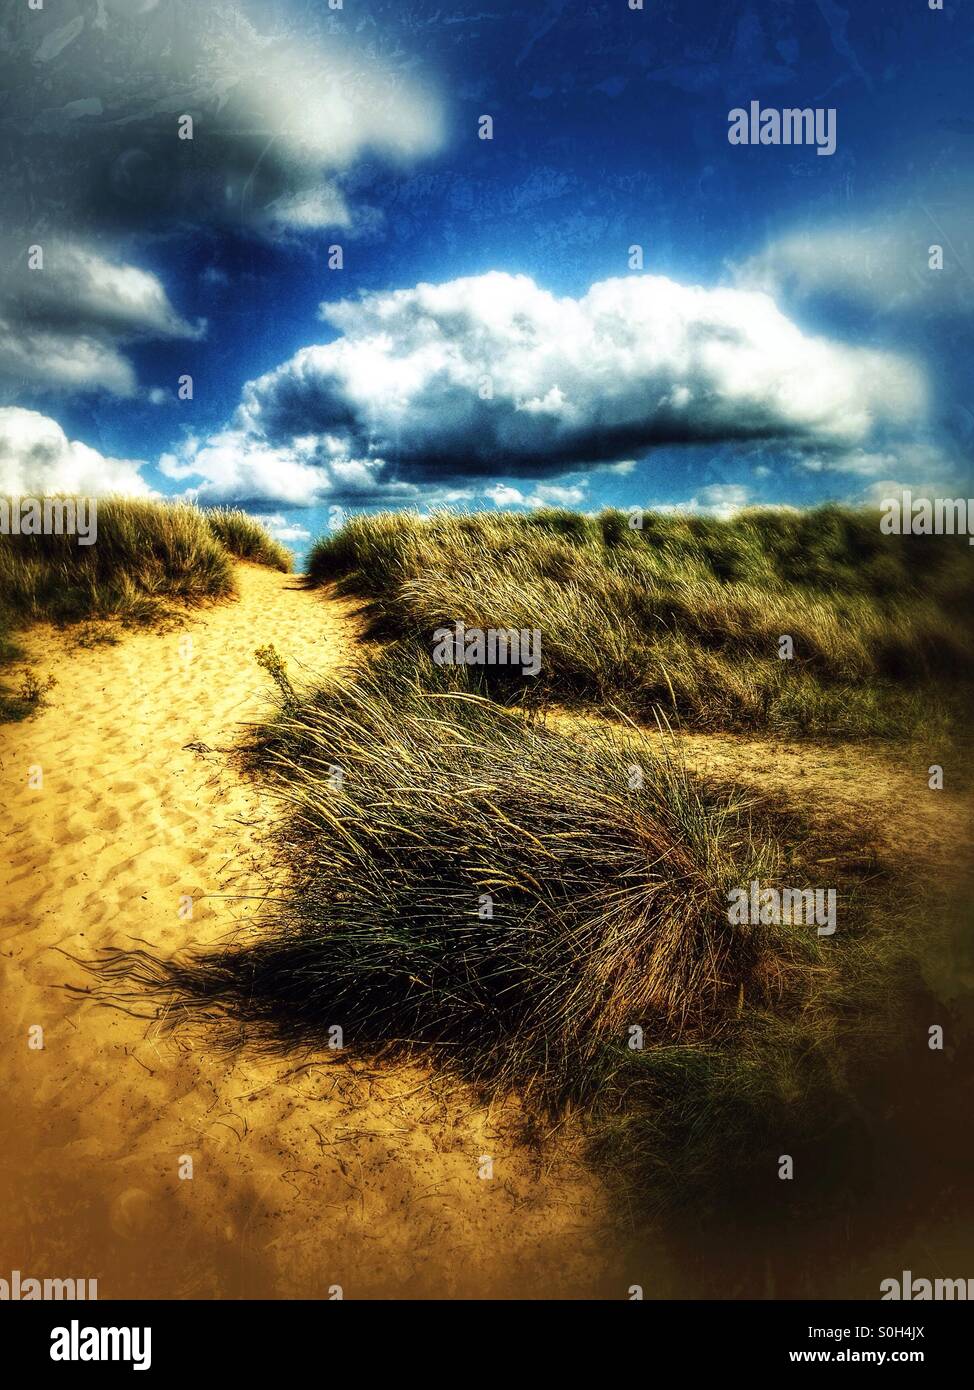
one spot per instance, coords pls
(28, 698)
(32, 688)
(273, 663)
(90, 635)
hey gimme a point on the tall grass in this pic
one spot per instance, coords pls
(686, 614)
(470, 881)
(247, 538)
(538, 912)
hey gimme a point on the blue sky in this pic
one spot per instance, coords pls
(786, 340)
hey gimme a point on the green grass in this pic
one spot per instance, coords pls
(148, 558)
(685, 615)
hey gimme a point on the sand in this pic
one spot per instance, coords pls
(307, 1173)
(305, 1177)
(871, 798)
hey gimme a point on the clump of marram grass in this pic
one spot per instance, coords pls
(686, 614)
(247, 538)
(145, 553)
(546, 913)
(471, 883)
(700, 1123)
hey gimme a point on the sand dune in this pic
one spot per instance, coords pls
(305, 1177)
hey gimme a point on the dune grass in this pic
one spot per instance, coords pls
(545, 914)
(149, 557)
(473, 882)
(247, 539)
(686, 614)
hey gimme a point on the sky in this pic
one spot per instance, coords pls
(606, 303)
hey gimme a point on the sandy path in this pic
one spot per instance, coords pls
(328, 1176)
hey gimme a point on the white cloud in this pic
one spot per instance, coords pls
(283, 530)
(232, 467)
(503, 495)
(917, 459)
(282, 112)
(925, 469)
(877, 493)
(62, 325)
(492, 374)
(718, 499)
(883, 263)
(724, 498)
(544, 495)
(78, 283)
(37, 458)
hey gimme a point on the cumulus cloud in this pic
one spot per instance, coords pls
(63, 322)
(924, 467)
(877, 493)
(281, 114)
(96, 98)
(722, 500)
(920, 460)
(37, 458)
(232, 467)
(284, 530)
(493, 375)
(545, 495)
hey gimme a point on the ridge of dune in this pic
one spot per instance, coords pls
(307, 1174)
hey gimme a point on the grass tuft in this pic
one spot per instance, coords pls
(519, 904)
(470, 881)
(247, 538)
